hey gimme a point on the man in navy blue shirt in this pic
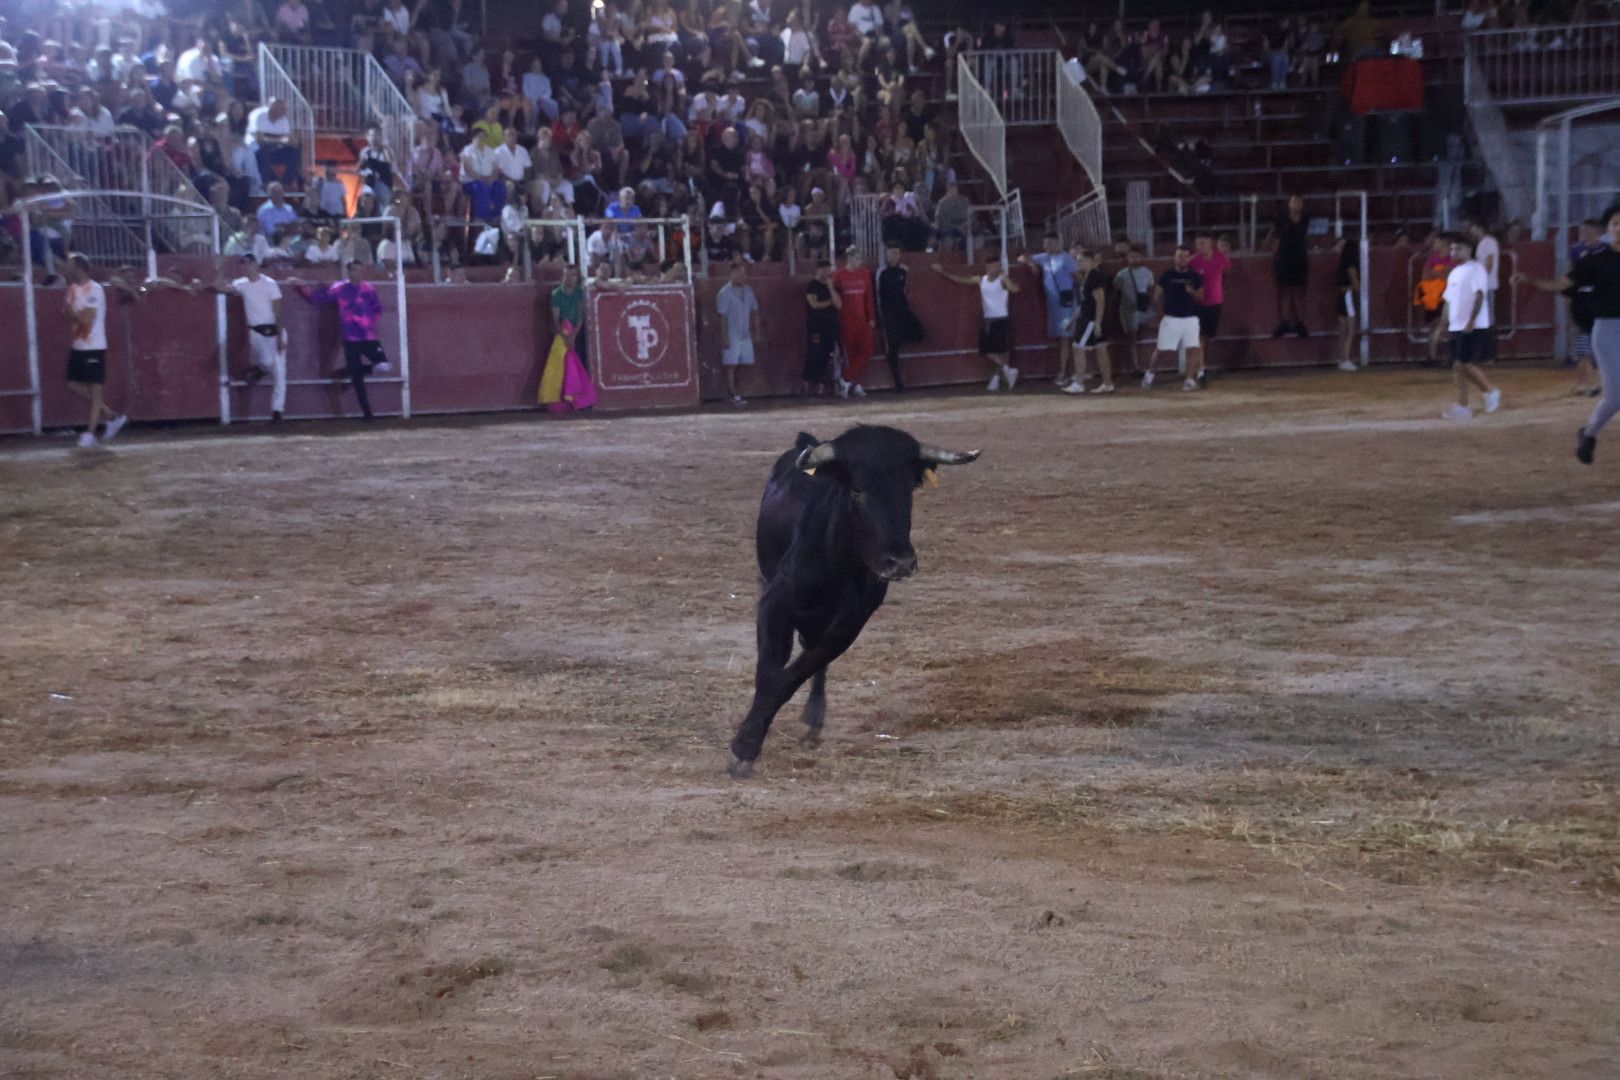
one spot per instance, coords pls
(1180, 292)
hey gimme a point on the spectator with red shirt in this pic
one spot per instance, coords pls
(857, 319)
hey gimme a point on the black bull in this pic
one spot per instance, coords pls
(834, 531)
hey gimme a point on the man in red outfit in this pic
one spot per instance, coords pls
(857, 318)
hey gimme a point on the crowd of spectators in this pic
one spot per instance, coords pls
(755, 120)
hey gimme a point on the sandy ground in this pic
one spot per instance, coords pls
(1267, 732)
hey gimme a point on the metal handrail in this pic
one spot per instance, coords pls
(1022, 82)
(275, 82)
(103, 236)
(982, 126)
(1557, 62)
(1080, 124)
(390, 112)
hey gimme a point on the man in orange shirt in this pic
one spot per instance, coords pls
(857, 318)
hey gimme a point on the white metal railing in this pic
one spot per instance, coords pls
(1080, 124)
(866, 226)
(125, 161)
(1557, 62)
(389, 112)
(331, 80)
(983, 129)
(1491, 132)
(1084, 221)
(275, 83)
(1014, 203)
(95, 228)
(1022, 82)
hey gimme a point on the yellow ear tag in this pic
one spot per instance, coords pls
(808, 472)
(930, 478)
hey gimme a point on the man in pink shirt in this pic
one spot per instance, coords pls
(1212, 259)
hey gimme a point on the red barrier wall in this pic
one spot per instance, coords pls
(480, 347)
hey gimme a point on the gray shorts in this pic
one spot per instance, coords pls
(738, 354)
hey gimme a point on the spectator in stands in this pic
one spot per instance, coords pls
(275, 246)
(903, 222)
(1279, 49)
(402, 67)
(816, 213)
(485, 191)
(1309, 51)
(327, 198)
(432, 99)
(952, 218)
(322, 251)
(270, 134)
(1358, 35)
(513, 162)
(140, 111)
(276, 212)
(1291, 267)
(355, 246)
(92, 115)
(429, 176)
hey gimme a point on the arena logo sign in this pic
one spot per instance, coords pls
(642, 341)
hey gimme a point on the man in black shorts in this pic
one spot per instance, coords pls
(86, 308)
(1087, 327)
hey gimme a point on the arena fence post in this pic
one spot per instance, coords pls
(1181, 223)
(404, 321)
(1364, 316)
(219, 341)
(38, 404)
(686, 252)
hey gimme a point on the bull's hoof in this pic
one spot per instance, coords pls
(740, 769)
(811, 738)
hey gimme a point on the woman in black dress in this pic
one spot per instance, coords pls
(1290, 265)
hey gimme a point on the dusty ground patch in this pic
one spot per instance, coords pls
(1268, 732)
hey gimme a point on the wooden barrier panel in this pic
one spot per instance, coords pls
(642, 352)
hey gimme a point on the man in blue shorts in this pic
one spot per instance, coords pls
(1059, 276)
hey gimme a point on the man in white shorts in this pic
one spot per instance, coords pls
(1179, 296)
(739, 311)
(267, 338)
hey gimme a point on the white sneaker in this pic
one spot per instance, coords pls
(1012, 377)
(114, 426)
(995, 383)
(383, 368)
(928, 53)
(857, 389)
(1493, 401)
(1458, 412)
(738, 399)
(87, 440)
(1147, 380)
(1190, 384)
(843, 388)
(1104, 388)
(1347, 365)
(1074, 388)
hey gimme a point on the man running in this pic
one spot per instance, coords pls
(995, 334)
(1086, 330)
(857, 318)
(267, 338)
(360, 309)
(1468, 318)
(1180, 291)
(86, 309)
(1059, 272)
(1597, 277)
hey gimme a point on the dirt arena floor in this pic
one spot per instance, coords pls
(1268, 732)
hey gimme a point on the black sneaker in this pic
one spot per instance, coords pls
(275, 417)
(254, 374)
(1585, 447)
(1203, 379)
(1595, 391)
(1282, 328)
(1300, 331)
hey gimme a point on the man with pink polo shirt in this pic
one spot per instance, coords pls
(1212, 259)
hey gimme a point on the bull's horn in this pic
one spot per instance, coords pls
(933, 455)
(814, 457)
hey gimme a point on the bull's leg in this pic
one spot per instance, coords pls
(775, 636)
(815, 710)
(774, 684)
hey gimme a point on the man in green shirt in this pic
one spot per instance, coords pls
(568, 305)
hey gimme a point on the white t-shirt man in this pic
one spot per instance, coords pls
(512, 162)
(865, 18)
(89, 296)
(477, 161)
(258, 298)
(1465, 282)
(259, 122)
(993, 296)
(1489, 254)
(192, 66)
